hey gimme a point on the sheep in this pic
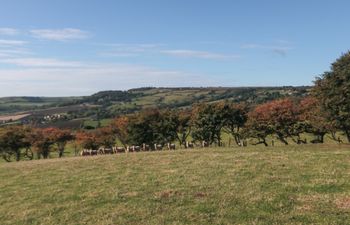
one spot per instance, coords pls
(205, 144)
(189, 144)
(86, 152)
(133, 148)
(118, 149)
(145, 147)
(171, 146)
(158, 147)
(105, 151)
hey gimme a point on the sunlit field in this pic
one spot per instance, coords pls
(253, 185)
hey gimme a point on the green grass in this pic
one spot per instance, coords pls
(307, 184)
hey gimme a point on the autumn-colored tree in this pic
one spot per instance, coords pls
(86, 139)
(42, 140)
(314, 118)
(60, 138)
(281, 116)
(257, 127)
(332, 89)
(120, 128)
(105, 137)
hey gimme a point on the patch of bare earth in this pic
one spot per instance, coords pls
(343, 203)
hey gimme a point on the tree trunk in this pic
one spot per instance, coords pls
(18, 155)
(281, 138)
(237, 139)
(60, 153)
(347, 132)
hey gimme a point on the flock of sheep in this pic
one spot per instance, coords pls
(137, 148)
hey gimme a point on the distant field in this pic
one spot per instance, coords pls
(308, 184)
(13, 117)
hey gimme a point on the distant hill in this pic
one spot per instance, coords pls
(108, 104)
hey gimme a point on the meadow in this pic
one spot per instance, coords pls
(304, 184)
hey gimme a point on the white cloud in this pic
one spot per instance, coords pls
(87, 80)
(9, 43)
(199, 54)
(60, 34)
(40, 62)
(128, 50)
(8, 31)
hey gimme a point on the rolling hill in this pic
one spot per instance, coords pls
(108, 104)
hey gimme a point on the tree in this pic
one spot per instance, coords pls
(61, 137)
(234, 116)
(332, 89)
(120, 128)
(42, 140)
(207, 121)
(86, 139)
(278, 116)
(143, 126)
(314, 118)
(12, 140)
(152, 126)
(105, 137)
(183, 125)
(257, 126)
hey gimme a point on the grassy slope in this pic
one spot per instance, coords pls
(281, 185)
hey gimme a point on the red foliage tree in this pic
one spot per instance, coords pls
(314, 119)
(278, 116)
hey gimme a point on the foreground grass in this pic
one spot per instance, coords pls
(281, 185)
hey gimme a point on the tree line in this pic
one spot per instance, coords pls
(326, 110)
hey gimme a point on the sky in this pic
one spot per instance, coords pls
(79, 47)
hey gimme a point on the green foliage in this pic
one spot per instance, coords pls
(208, 122)
(152, 126)
(333, 91)
(12, 139)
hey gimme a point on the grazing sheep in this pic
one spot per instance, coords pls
(145, 147)
(87, 152)
(158, 147)
(93, 152)
(205, 144)
(171, 146)
(133, 148)
(118, 149)
(189, 144)
(104, 151)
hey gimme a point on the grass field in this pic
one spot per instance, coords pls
(283, 185)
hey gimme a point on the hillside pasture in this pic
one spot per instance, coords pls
(13, 117)
(307, 184)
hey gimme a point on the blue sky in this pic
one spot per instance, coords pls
(66, 47)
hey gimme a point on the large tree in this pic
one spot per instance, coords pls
(105, 137)
(12, 140)
(234, 117)
(86, 139)
(314, 118)
(120, 128)
(42, 141)
(61, 138)
(333, 91)
(279, 116)
(183, 125)
(208, 122)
